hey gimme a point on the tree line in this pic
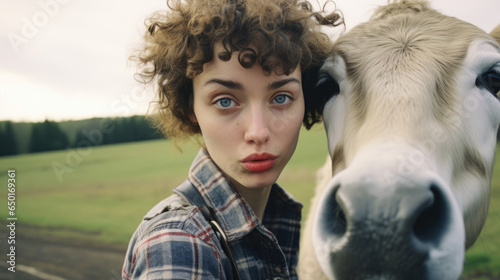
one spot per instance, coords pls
(49, 136)
(8, 141)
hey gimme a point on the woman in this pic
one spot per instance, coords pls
(235, 73)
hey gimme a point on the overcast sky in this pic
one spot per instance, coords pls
(67, 59)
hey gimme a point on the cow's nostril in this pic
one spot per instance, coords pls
(430, 223)
(366, 229)
(334, 222)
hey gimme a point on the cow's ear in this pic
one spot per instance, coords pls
(495, 33)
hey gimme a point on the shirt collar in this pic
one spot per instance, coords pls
(232, 212)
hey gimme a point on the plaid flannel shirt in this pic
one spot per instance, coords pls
(174, 241)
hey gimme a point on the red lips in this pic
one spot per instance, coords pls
(259, 162)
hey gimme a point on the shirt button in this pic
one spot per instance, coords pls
(277, 269)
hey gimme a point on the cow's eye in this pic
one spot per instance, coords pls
(490, 81)
(327, 84)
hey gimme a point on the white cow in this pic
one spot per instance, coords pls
(412, 135)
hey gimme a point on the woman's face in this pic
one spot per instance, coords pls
(250, 122)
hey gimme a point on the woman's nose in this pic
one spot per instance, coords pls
(257, 126)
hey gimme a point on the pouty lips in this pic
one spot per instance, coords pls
(259, 162)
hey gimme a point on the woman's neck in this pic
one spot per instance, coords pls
(256, 198)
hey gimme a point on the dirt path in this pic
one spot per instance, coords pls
(51, 258)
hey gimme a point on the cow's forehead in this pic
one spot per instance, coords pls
(407, 40)
(407, 52)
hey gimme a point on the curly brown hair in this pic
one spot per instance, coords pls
(286, 34)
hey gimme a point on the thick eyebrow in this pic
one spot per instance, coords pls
(226, 83)
(280, 83)
(235, 85)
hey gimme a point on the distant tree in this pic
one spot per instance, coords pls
(147, 131)
(129, 129)
(109, 137)
(37, 141)
(126, 130)
(8, 143)
(120, 134)
(80, 138)
(142, 128)
(47, 136)
(3, 142)
(57, 138)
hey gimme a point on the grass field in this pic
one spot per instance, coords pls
(101, 193)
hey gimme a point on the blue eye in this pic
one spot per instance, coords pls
(225, 102)
(281, 99)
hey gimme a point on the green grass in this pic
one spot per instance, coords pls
(106, 190)
(484, 255)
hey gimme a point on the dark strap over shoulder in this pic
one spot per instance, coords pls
(191, 194)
